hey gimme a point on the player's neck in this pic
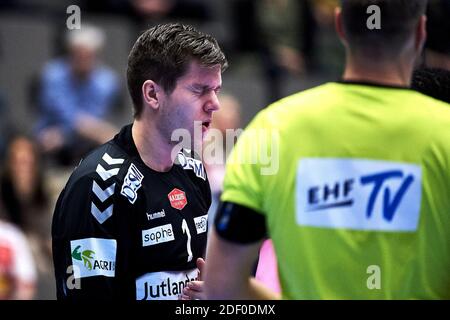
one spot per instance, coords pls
(153, 149)
(393, 73)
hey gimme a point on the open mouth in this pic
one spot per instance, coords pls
(206, 124)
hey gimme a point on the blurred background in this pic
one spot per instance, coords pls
(63, 92)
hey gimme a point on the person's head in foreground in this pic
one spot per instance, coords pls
(362, 180)
(174, 75)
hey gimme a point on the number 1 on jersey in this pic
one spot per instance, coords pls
(185, 228)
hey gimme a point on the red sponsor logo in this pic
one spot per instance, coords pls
(177, 199)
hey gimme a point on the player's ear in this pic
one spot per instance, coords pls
(421, 33)
(338, 24)
(151, 94)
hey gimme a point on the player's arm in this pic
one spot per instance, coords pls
(89, 254)
(232, 251)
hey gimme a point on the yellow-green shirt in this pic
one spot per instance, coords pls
(354, 181)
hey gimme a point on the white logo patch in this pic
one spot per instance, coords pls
(132, 183)
(195, 165)
(163, 285)
(201, 223)
(157, 235)
(358, 194)
(93, 257)
(156, 215)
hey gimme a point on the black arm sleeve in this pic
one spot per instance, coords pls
(87, 234)
(239, 224)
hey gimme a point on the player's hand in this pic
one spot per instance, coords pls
(195, 289)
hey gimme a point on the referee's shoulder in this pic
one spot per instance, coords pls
(438, 113)
(437, 108)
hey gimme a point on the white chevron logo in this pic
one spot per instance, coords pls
(109, 160)
(106, 174)
(101, 216)
(103, 194)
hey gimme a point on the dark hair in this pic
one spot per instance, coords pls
(438, 26)
(398, 19)
(16, 208)
(433, 82)
(163, 53)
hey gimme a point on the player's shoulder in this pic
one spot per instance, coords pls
(105, 166)
(97, 182)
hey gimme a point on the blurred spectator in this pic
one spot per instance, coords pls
(329, 54)
(153, 9)
(22, 191)
(143, 11)
(48, 9)
(432, 82)
(25, 201)
(227, 117)
(17, 270)
(287, 36)
(75, 96)
(437, 53)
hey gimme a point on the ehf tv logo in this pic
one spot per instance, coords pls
(358, 194)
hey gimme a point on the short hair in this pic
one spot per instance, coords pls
(398, 20)
(433, 82)
(163, 54)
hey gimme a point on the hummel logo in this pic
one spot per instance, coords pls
(105, 194)
(107, 158)
(106, 174)
(101, 216)
(159, 214)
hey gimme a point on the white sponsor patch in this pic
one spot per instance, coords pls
(163, 285)
(132, 183)
(358, 194)
(157, 235)
(93, 257)
(192, 164)
(201, 223)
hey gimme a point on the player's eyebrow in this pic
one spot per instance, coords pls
(204, 87)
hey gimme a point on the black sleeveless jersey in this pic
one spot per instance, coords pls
(124, 231)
